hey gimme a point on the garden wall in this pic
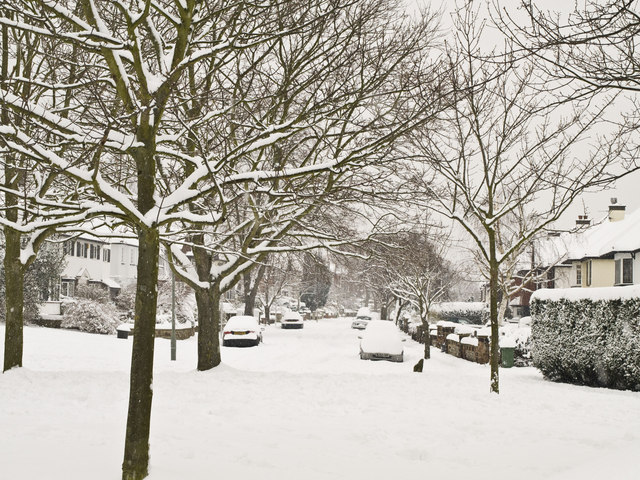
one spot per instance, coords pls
(588, 336)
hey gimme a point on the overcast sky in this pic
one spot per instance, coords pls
(595, 203)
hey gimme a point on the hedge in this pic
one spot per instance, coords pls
(474, 313)
(593, 342)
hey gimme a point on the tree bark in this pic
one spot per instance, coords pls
(136, 451)
(14, 301)
(494, 356)
(427, 339)
(208, 301)
(249, 294)
(251, 291)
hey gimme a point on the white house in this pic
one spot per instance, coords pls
(101, 261)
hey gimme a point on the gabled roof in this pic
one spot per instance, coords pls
(607, 238)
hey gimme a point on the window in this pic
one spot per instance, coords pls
(133, 257)
(579, 274)
(68, 247)
(98, 252)
(67, 288)
(624, 271)
(627, 270)
(589, 268)
(92, 251)
(78, 249)
(106, 255)
(85, 250)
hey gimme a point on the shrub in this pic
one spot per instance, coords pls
(91, 316)
(521, 336)
(185, 302)
(97, 293)
(126, 301)
(474, 313)
(587, 341)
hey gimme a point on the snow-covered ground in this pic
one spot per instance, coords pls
(303, 406)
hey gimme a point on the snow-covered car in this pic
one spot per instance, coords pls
(242, 331)
(363, 317)
(292, 320)
(381, 341)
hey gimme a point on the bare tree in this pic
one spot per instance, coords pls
(36, 201)
(502, 163)
(178, 110)
(590, 47)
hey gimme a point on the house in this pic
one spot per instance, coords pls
(541, 266)
(604, 255)
(599, 255)
(104, 261)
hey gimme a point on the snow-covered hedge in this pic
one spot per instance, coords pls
(91, 316)
(588, 337)
(460, 312)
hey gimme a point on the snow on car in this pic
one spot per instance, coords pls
(242, 331)
(292, 320)
(363, 317)
(381, 341)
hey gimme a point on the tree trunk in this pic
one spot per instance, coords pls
(267, 314)
(249, 302)
(494, 357)
(13, 268)
(427, 339)
(208, 302)
(14, 301)
(251, 291)
(136, 450)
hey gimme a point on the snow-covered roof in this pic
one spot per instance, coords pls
(607, 238)
(110, 282)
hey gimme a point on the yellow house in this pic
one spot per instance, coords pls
(604, 255)
(597, 272)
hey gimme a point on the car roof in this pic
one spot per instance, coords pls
(239, 320)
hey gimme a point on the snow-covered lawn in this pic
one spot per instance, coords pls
(303, 406)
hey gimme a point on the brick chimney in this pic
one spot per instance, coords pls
(616, 212)
(583, 221)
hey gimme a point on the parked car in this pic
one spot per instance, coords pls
(363, 317)
(242, 331)
(381, 341)
(292, 320)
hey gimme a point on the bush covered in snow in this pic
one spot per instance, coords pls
(587, 341)
(91, 316)
(475, 313)
(521, 337)
(186, 310)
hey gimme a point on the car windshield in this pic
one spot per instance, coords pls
(364, 318)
